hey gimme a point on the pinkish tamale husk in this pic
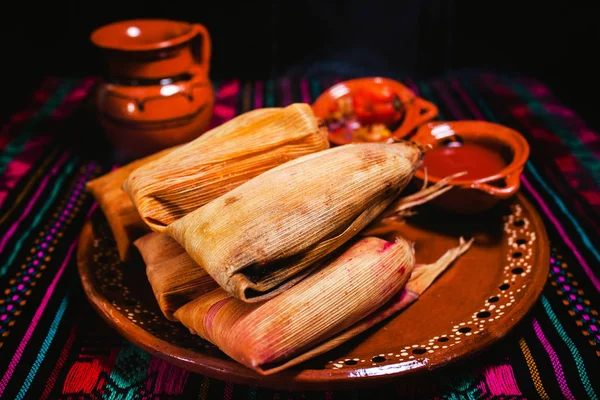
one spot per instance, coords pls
(363, 286)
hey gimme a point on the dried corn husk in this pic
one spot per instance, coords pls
(264, 236)
(202, 170)
(123, 219)
(352, 293)
(175, 278)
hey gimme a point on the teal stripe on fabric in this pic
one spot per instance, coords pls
(571, 141)
(578, 360)
(315, 89)
(44, 349)
(427, 94)
(128, 375)
(18, 143)
(270, 98)
(584, 237)
(39, 214)
(531, 169)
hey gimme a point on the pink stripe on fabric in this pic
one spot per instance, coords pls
(35, 320)
(258, 94)
(501, 381)
(467, 100)
(10, 232)
(560, 375)
(170, 380)
(562, 233)
(304, 92)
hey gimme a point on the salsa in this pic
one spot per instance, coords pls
(477, 160)
(365, 115)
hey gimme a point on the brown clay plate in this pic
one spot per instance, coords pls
(472, 305)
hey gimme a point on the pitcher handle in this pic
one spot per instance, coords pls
(206, 45)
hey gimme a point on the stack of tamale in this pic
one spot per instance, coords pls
(256, 243)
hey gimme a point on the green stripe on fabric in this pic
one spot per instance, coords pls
(571, 345)
(17, 145)
(315, 89)
(128, 375)
(531, 169)
(44, 349)
(427, 94)
(585, 238)
(270, 99)
(39, 214)
(571, 141)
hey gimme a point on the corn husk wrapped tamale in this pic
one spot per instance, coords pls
(123, 219)
(264, 236)
(360, 288)
(175, 278)
(202, 170)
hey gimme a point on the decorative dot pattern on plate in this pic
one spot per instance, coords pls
(130, 298)
(520, 240)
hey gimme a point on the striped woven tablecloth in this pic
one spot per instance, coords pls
(53, 345)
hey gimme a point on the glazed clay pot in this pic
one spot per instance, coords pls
(471, 196)
(158, 93)
(416, 110)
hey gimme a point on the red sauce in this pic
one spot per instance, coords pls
(479, 161)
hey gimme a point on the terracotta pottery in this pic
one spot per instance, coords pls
(477, 195)
(158, 93)
(476, 302)
(416, 110)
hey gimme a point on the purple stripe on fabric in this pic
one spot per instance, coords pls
(286, 91)
(501, 381)
(258, 94)
(560, 375)
(467, 100)
(412, 85)
(562, 233)
(10, 232)
(35, 320)
(448, 101)
(170, 380)
(304, 91)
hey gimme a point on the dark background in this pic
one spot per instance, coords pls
(555, 42)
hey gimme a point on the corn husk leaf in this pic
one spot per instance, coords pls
(171, 187)
(371, 281)
(123, 219)
(175, 278)
(265, 235)
(349, 288)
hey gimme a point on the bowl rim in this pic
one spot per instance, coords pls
(519, 146)
(411, 119)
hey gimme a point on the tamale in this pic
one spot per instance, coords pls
(265, 235)
(169, 188)
(175, 278)
(364, 285)
(123, 219)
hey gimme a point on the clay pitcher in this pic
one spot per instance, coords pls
(158, 93)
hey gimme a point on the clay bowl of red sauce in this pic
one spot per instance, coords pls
(493, 157)
(372, 109)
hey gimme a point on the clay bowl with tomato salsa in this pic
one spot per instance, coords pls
(493, 157)
(373, 109)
